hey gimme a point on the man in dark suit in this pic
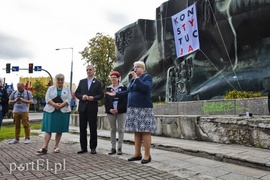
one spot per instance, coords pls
(89, 91)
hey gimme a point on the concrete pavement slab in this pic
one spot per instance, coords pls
(18, 159)
(175, 157)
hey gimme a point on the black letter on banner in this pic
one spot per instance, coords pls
(180, 41)
(178, 31)
(195, 35)
(187, 38)
(182, 17)
(190, 11)
(175, 21)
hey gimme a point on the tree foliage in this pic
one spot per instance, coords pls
(39, 92)
(100, 52)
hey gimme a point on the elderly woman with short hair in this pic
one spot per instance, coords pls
(56, 113)
(140, 116)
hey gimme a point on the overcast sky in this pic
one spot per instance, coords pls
(31, 30)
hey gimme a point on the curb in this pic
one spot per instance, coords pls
(10, 121)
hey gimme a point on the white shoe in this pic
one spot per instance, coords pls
(56, 150)
(27, 141)
(14, 141)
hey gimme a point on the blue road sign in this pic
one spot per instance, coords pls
(9, 88)
(38, 68)
(15, 68)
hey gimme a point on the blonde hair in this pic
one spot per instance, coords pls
(140, 63)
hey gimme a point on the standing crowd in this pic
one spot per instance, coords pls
(128, 108)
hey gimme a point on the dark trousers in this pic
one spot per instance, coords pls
(91, 118)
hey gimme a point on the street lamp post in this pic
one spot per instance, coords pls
(71, 71)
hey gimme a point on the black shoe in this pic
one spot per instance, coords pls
(119, 151)
(42, 151)
(81, 151)
(93, 151)
(145, 161)
(113, 151)
(138, 158)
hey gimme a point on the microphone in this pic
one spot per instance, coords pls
(129, 74)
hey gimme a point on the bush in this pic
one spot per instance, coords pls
(234, 94)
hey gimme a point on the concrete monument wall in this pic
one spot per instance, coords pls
(234, 50)
(215, 121)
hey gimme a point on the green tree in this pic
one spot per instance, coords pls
(39, 92)
(100, 52)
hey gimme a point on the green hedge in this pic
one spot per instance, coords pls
(234, 94)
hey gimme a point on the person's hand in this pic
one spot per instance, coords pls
(133, 74)
(22, 100)
(114, 111)
(84, 97)
(17, 100)
(90, 98)
(57, 106)
(111, 93)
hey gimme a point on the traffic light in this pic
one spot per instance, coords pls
(8, 68)
(30, 67)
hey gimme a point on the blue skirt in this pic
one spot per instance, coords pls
(140, 120)
(55, 122)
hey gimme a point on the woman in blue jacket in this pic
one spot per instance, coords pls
(140, 117)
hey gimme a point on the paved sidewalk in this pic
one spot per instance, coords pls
(247, 156)
(20, 161)
(172, 159)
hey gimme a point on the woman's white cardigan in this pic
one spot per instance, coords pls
(52, 93)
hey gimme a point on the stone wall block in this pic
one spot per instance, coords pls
(257, 106)
(261, 138)
(171, 127)
(219, 107)
(190, 108)
(241, 106)
(74, 120)
(159, 120)
(166, 109)
(187, 126)
(103, 122)
(212, 131)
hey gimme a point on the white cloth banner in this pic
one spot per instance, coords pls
(185, 28)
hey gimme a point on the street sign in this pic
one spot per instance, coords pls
(38, 68)
(15, 68)
(9, 88)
